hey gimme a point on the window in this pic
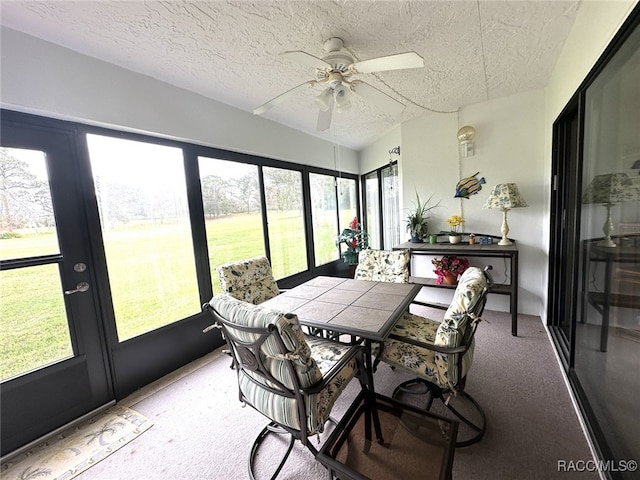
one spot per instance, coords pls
(232, 212)
(324, 217)
(347, 201)
(390, 206)
(382, 220)
(27, 230)
(285, 218)
(142, 201)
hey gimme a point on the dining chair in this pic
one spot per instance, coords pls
(291, 378)
(383, 265)
(248, 280)
(440, 354)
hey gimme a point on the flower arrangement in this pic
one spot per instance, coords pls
(454, 222)
(449, 264)
(356, 240)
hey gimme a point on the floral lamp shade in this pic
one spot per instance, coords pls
(610, 189)
(505, 196)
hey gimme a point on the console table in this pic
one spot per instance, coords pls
(625, 251)
(476, 250)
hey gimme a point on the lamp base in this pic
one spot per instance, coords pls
(607, 229)
(607, 242)
(504, 230)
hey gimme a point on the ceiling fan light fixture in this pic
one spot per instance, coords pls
(342, 98)
(323, 101)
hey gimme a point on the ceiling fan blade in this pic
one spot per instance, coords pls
(280, 98)
(377, 97)
(392, 62)
(306, 59)
(324, 118)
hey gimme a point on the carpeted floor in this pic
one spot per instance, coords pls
(202, 432)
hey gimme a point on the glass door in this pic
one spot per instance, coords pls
(50, 343)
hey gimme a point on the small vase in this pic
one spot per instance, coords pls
(450, 279)
(416, 239)
(455, 238)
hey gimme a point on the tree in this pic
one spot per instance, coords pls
(248, 192)
(215, 196)
(283, 189)
(24, 199)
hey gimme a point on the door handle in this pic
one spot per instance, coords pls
(80, 287)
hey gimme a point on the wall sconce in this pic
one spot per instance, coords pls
(465, 138)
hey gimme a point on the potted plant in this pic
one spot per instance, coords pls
(454, 222)
(355, 239)
(448, 268)
(418, 219)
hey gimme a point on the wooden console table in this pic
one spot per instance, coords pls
(476, 250)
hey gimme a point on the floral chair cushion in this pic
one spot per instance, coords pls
(383, 266)
(436, 367)
(471, 289)
(249, 280)
(312, 357)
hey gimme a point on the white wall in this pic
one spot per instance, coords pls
(40, 77)
(509, 147)
(376, 154)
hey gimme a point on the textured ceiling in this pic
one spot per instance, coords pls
(229, 50)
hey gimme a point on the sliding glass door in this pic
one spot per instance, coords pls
(594, 296)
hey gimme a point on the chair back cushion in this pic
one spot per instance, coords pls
(468, 300)
(267, 397)
(250, 280)
(383, 266)
(248, 315)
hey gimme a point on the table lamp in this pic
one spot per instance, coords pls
(505, 196)
(609, 190)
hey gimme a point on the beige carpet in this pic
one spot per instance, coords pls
(73, 451)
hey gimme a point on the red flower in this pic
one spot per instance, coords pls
(449, 264)
(354, 224)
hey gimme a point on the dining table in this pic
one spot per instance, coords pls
(416, 443)
(362, 309)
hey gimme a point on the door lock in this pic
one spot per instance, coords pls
(80, 287)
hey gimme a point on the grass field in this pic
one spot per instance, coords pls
(151, 274)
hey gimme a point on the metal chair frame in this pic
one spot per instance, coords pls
(442, 393)
(246, 356)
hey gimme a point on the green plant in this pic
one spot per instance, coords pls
(418, 219)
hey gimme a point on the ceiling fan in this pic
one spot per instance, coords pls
(335, 70)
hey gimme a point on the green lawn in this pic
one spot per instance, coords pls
(152, 279)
